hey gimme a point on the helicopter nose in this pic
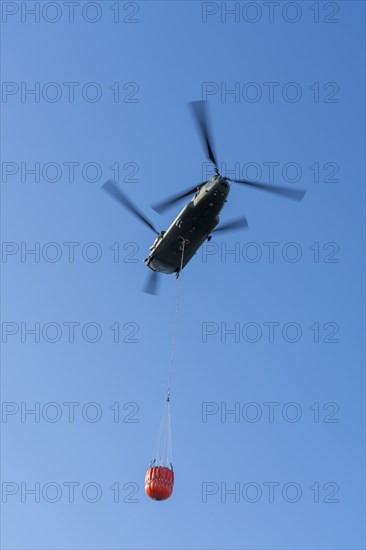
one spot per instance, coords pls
(221, 189)
(221, 182)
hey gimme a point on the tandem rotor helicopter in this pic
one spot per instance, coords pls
(173, 248)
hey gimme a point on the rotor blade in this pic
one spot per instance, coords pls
(111, 188)
(239, 223)
(161, 206)
(200, 113)
(296, 194)
(151, 285)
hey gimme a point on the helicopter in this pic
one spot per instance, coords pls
(199, 219)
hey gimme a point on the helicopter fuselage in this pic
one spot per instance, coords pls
(174, 248)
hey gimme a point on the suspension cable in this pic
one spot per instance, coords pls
(175, 323)
(163, 445)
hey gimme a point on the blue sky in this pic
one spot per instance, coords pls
(114, 92)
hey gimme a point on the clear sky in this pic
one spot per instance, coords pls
(111, 81)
